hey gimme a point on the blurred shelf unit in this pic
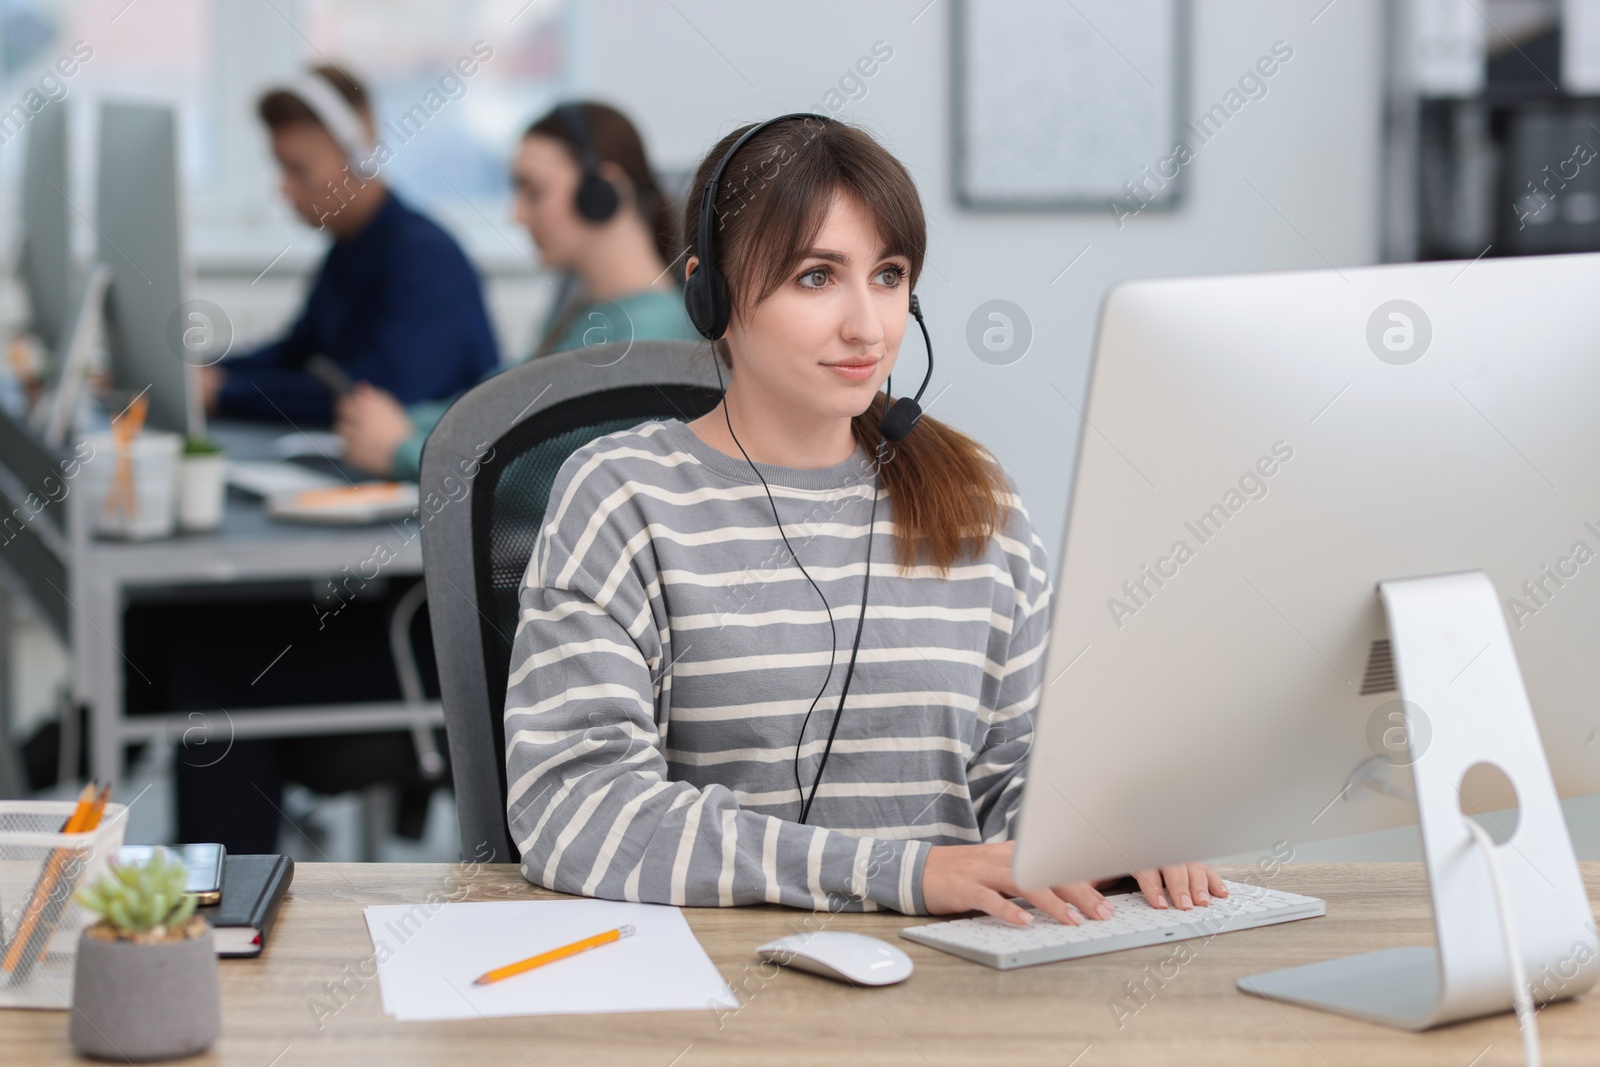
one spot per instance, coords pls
(1493, 130)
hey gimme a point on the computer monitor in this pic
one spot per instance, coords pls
(47, 270)
(139, 221)
(1257, 454)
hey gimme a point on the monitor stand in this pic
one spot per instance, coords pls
(1457, 671)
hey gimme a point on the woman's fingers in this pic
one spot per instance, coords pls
(978, 877)
(1200, 883)
(1052, 905)
(1086, 898)
(1150, 885)
(1177, 879)
(1066, 904)
(986, 899)
(1198, 888)
(1186, 885)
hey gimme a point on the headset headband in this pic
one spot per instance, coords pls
(709, 194)
(342, 121)
(577, 123)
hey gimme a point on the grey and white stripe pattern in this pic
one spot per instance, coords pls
(668, 649)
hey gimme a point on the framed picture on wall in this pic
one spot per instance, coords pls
(1064, 106)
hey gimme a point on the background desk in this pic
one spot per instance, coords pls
(949, 1012)
(82, 585)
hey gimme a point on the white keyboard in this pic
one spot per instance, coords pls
(1134, 924)
(270, 477)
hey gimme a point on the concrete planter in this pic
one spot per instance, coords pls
(154, 1001)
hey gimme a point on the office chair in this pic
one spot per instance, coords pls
(487, 472)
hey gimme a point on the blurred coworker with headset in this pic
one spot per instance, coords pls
(395, 303)
(587, 195)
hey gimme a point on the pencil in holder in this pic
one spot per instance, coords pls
(40, 921)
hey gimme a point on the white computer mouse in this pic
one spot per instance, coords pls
(847, 957)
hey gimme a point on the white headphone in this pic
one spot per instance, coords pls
(330, 107)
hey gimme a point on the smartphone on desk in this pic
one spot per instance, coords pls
(203, 863)
(332, 376)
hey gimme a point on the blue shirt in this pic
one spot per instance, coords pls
(397, 305)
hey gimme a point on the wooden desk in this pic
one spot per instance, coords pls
(949, 1012)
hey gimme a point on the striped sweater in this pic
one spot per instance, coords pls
(668, 649)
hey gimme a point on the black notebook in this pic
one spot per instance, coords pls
(252, 889)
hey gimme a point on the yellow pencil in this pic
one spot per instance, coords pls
(44, 888)
(554, 954)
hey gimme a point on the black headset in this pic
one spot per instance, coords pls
(706, 299)
(596, 199)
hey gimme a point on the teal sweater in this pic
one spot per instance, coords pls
(655, 315)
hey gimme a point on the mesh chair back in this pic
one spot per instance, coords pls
(487, 472)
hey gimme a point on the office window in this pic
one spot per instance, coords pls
(407, 53)
(452, 136)
(79, 53)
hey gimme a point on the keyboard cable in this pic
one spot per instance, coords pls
(1520, 997)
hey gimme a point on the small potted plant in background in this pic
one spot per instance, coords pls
(145, 980)
(202, 484)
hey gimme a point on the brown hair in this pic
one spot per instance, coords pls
(614, 139)
(279, 107)
(950, 496)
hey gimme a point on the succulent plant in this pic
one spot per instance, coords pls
(134, 898)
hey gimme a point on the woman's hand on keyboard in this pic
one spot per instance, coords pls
(978, 878)
(1185, 885)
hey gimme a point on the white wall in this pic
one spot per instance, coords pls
(690, 71)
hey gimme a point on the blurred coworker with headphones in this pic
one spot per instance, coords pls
(665, 671)
(588, 197)
(396, 303)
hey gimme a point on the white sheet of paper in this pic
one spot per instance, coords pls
(428, 956)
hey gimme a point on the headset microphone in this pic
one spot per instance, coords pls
(903, 413)
(706, 299)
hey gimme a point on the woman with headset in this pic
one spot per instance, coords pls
(587, 196)
(694, 582)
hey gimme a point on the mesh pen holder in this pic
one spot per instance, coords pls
(40, 922)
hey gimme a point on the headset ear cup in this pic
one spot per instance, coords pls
(694, 302)
(597, 198)
(705, 298)
(719, 311)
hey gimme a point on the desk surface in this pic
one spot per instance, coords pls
(949, 1012)
(252, 545)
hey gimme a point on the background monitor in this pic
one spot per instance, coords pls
(139, 219)
(1257, 453)
(47, 270)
